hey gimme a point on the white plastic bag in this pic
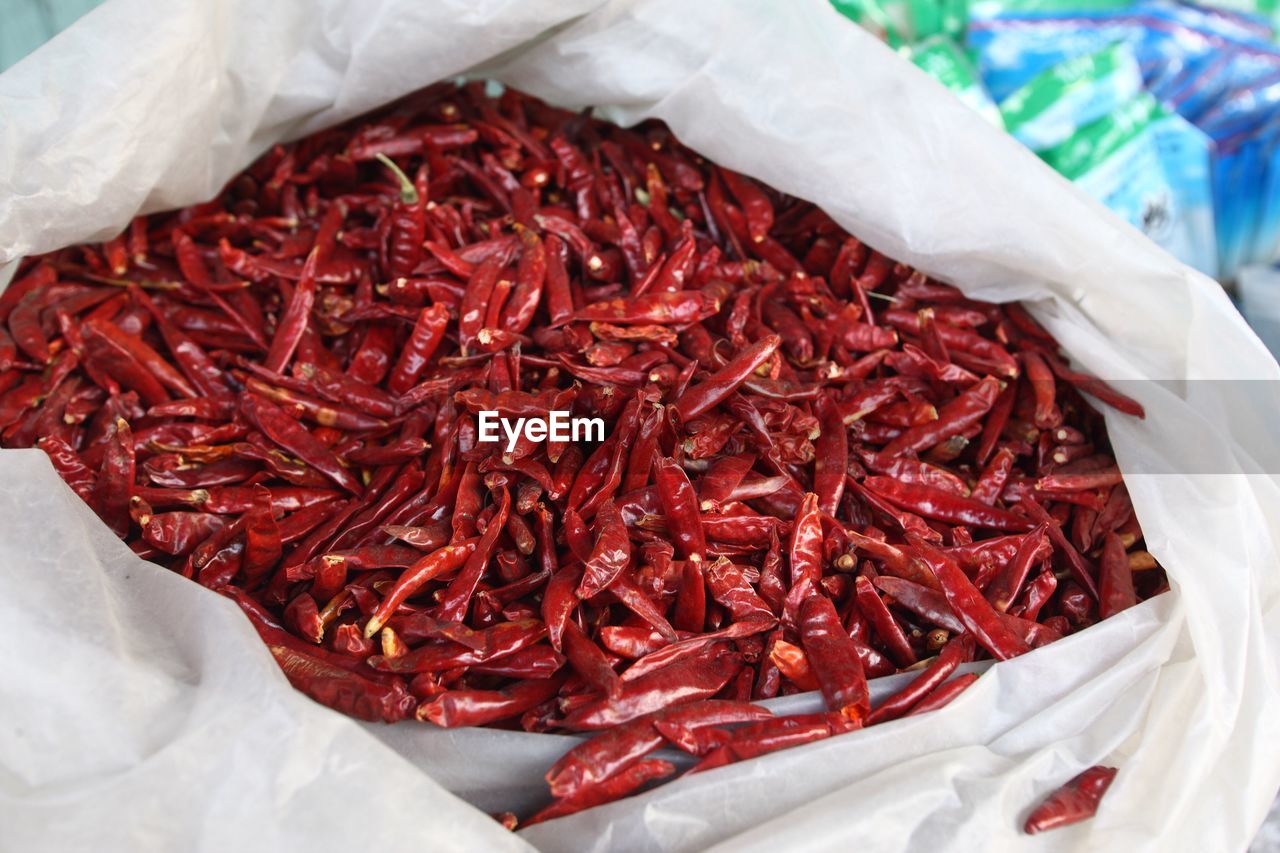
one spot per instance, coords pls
(138, 711)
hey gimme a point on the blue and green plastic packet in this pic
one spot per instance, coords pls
(1013, 46)
(1151, 167)
(1060, 100)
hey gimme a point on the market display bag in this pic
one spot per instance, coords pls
(140, 711)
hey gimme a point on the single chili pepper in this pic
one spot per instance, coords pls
(834, 659)
(530, 279)
(730, 588)
(909, 470)
(630, 642)
(1101, 479)
(1080, 570)
(967, 603)
(178, 533)
(428, 332)
(781, 733)
(907, 521)
(24, 319)
(476, 707)
(956, 651)
(294, 322)
(434, 565)
(603, 756)
(1115, 579)
(886, 627)
(691, 600)
(944, 506)
(805, 550)
(1039, 591)
(407, 221)
(118, 360)
(1096, 387)
(995, 423)
(115, 480)
(475, 300)
(929, 605)
(831, 461)
(755, 204)
(610, 554)
(680, 506)
(1040, 377)
(942, 696)
(1007, 582)
(289, 436)
(262, 539)
(39, 277)
(613, 788)
(642, 452)
(1075, 801)
(499, 641)
(993, 477)
(559, 602)
(723, 382)
(315, 410)
(687, 680)
(955, 417)
(589, 661)
(70, 466)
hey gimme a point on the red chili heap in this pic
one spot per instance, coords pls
(820, 466)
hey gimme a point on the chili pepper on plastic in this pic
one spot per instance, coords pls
(952, 655)
(687, 680)
(1075, 801)
(478, 707)
(610, 789)
(943, 695)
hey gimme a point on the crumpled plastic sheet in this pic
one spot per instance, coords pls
(139, 711)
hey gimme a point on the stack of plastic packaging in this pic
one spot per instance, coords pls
(1165, 112)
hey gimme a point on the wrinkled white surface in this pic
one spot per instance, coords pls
(138, 712)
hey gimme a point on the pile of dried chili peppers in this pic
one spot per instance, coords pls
(821, 466)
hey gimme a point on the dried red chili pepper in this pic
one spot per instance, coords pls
(680, 505)
(292, 438)
(610, 554)
(967, 603)
(834, 659)
(1075, 801)
(943, 695)
(723, 382)
(607, 790)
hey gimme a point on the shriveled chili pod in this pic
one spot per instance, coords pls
(1075, 801)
